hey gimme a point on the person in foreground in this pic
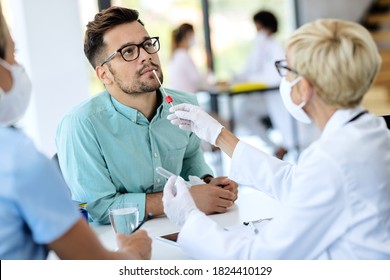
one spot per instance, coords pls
(110, 145)
(335, 201)
(37, 214)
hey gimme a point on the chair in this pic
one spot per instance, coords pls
(387, 119)
(55, 160)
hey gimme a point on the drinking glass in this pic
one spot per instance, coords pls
(124, 217)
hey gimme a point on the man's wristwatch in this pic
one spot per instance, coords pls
(207, 178)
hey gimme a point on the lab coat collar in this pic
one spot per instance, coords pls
(340, 118)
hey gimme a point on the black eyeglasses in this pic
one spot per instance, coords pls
(281, 66)
(131, 52)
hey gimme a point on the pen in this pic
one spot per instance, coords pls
(255, 230)
(146, 218)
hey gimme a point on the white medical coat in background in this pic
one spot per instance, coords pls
(335, 201)
(183, 73)
(250, 108)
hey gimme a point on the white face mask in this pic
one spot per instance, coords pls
(14, 103)
(295, 110)
(192, 41)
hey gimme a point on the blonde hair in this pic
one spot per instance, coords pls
(339, 58)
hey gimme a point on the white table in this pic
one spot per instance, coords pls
(250, 205)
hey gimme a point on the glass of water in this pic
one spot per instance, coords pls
(124, 217)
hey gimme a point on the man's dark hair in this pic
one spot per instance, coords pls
(267, 20)
(104, 21)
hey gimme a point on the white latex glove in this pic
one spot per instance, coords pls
(195, 180)
(177, 201)
(192, 118)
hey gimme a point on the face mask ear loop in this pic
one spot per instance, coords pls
(293, 83)
(302, 104)
(5, 64)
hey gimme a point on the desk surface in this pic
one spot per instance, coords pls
(250, 205)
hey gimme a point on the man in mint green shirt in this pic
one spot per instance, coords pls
(110, 145)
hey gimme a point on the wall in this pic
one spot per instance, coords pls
(353, 10)
(49, 43)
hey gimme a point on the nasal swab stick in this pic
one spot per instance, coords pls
(167, 97)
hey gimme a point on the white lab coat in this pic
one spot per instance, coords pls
(335, 201)
(183, 74)
(249, 109)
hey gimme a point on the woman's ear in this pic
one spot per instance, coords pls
(305, 90)
(104, 75)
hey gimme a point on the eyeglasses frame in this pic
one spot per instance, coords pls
(278, 65)
(139, 46)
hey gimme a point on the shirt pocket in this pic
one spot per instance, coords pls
(173, 160)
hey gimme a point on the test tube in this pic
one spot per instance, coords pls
(165, 173)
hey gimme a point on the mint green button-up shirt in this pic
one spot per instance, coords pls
(108, 152)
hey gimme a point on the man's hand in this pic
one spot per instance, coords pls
(211, 198)
(226, 184)
(137, 245)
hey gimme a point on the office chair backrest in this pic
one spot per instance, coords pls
(387, 119)
(55, 160)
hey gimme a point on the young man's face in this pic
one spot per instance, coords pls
(136, 76)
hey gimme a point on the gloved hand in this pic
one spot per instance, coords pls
(195, 180)
(192, 118)
(177, 201)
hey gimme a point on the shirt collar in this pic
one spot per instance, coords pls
(134, 115)
(340, 118)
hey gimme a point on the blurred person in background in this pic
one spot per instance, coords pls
(36, 213)
(183, 73)
(335, 200)
(251, 111)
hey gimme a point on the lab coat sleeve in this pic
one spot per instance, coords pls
(311, 221)
(213, 243)
(253, 167)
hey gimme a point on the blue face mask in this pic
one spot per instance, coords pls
(295, 110)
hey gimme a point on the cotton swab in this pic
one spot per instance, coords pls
(168, 98)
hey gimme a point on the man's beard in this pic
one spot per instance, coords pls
(137, 87)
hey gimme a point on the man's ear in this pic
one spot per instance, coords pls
(104, 75)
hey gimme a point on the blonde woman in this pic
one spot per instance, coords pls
(335, 201)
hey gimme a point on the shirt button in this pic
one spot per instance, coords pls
(155, 155)
(158, 181)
